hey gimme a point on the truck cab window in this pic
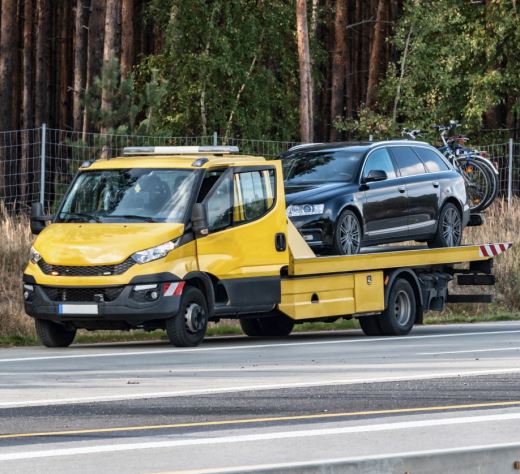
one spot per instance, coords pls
(220, 206)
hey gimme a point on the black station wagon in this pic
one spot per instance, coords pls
(345, 196)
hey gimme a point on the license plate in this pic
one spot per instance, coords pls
(78, 309)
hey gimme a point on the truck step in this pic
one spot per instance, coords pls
(469, 299)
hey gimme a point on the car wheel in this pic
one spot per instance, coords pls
(53, 334)
(347, 237)
(370, 325)
(188, 327)
(399, 316)
(449, 228)
(267, 326)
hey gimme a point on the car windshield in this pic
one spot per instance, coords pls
(321, 166)
(128, 195)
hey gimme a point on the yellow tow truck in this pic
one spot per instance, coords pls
(175, 237)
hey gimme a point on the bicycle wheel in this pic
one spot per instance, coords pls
(478, 182)
(493, 178)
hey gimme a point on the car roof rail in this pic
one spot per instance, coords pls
(303, 145)
(178, 150)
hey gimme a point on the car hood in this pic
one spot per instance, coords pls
(315, 193)
(95, 244)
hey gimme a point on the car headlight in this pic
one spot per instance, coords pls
(149, 255)
(305, 210)
(34, 256)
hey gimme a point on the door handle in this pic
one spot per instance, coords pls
(280, 242)
(435, 184)
(401, 189)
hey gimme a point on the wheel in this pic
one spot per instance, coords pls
(449, 228)
(399, 316)
(53, 334)
(251, 327)
(267, 326)
(480, 181)
(493, 179)
(347, 236)
(370, 325)
(188, 327)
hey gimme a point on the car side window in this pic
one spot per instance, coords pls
(380, 160)
(433, 162)
(408, 162)
(220, 205)
(254, 194)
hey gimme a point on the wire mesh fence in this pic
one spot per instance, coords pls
(38, 164)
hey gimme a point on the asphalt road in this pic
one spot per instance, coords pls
(245, 402)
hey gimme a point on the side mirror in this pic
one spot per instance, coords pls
(375, 175)
(199, 219)
(37, 218)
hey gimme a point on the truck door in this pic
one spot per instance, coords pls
(245, 248)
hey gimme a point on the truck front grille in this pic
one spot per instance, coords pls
(104, 270)
(83, 295)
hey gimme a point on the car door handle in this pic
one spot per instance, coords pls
(280, 242)
(435, 184)
(401, 189)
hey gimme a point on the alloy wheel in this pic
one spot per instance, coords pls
(451, 227)
(350, 234)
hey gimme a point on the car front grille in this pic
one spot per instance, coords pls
(83, 295)
(92, 270)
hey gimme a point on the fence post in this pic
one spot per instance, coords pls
(42, 163)
(510, 174)
(215, 139)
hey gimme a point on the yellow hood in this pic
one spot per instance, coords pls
(98, 244)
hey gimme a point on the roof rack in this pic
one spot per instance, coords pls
(178, 150)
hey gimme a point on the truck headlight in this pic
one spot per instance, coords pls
(34, 256)
(305, 210)
(149, 255)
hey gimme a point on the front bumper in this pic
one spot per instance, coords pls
(126, 305)
(317, 231)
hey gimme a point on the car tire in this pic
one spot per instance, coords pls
(449, 228)
(268, 326)
(53, 334)
(401, 311)
(370, 325)
(347, 234)
(188, 327)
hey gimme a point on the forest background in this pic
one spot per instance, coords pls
(295, 70)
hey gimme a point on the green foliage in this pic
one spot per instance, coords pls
(368, 124)
(462, 61)
(231, 67)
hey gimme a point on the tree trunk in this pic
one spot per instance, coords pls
(376, 53)
(306, 119)
(64, 61)
(127, 37)
(96, 28)
(111, 47)
(41, 81)
(339, 60)
(80, 61)
(27, 101)
(8, 51)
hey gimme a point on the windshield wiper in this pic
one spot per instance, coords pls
(81, 215)
(130, 216)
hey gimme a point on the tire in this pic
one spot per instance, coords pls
(400, 314)
(449, 228)
(370, 325)
(493, 178)
(480, 180)
(188, 327)
(268, 326)
(347, 235)
(53, 334)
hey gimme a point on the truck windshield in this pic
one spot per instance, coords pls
(321, 167)
(128, 195)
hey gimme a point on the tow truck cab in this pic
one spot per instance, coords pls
(174, 237)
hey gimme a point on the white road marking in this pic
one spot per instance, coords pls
(247, 388)
(355, 459)
(110, 448)
(498, 349)
(255, 346)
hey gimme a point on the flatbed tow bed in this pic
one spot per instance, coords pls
(230, 253)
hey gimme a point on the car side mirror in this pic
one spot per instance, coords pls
(38, 219)
(199, 219)
(375, 175)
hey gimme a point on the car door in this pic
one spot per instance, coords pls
(385, 207)
(421, 189)
(246, 227)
